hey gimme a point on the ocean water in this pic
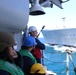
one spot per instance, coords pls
(56, 61)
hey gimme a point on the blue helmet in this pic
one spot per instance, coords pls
(29, 41)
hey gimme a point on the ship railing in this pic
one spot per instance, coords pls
(67, 59)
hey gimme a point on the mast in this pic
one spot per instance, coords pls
(63, 18)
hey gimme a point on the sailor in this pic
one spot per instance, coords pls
(9, 59)
(28, 44)
(37, 69)
(40, 46)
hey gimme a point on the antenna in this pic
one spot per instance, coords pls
(63, 18)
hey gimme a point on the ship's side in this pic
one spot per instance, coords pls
(65, 37)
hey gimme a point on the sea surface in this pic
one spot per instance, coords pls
(56, 60)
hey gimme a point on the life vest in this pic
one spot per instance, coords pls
(28, 54)
(10, 67)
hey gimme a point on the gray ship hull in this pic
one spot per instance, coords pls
(64, 37)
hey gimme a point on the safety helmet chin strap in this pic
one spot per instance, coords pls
(36, 72)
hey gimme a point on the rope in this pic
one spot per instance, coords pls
(51, 52)
(61, 61)
(72, 60)
(53, 61)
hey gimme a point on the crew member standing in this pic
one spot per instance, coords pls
(28, 44)
(40, 46)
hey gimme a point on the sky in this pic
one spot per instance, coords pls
(53, 17)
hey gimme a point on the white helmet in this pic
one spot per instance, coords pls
(32, 28)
